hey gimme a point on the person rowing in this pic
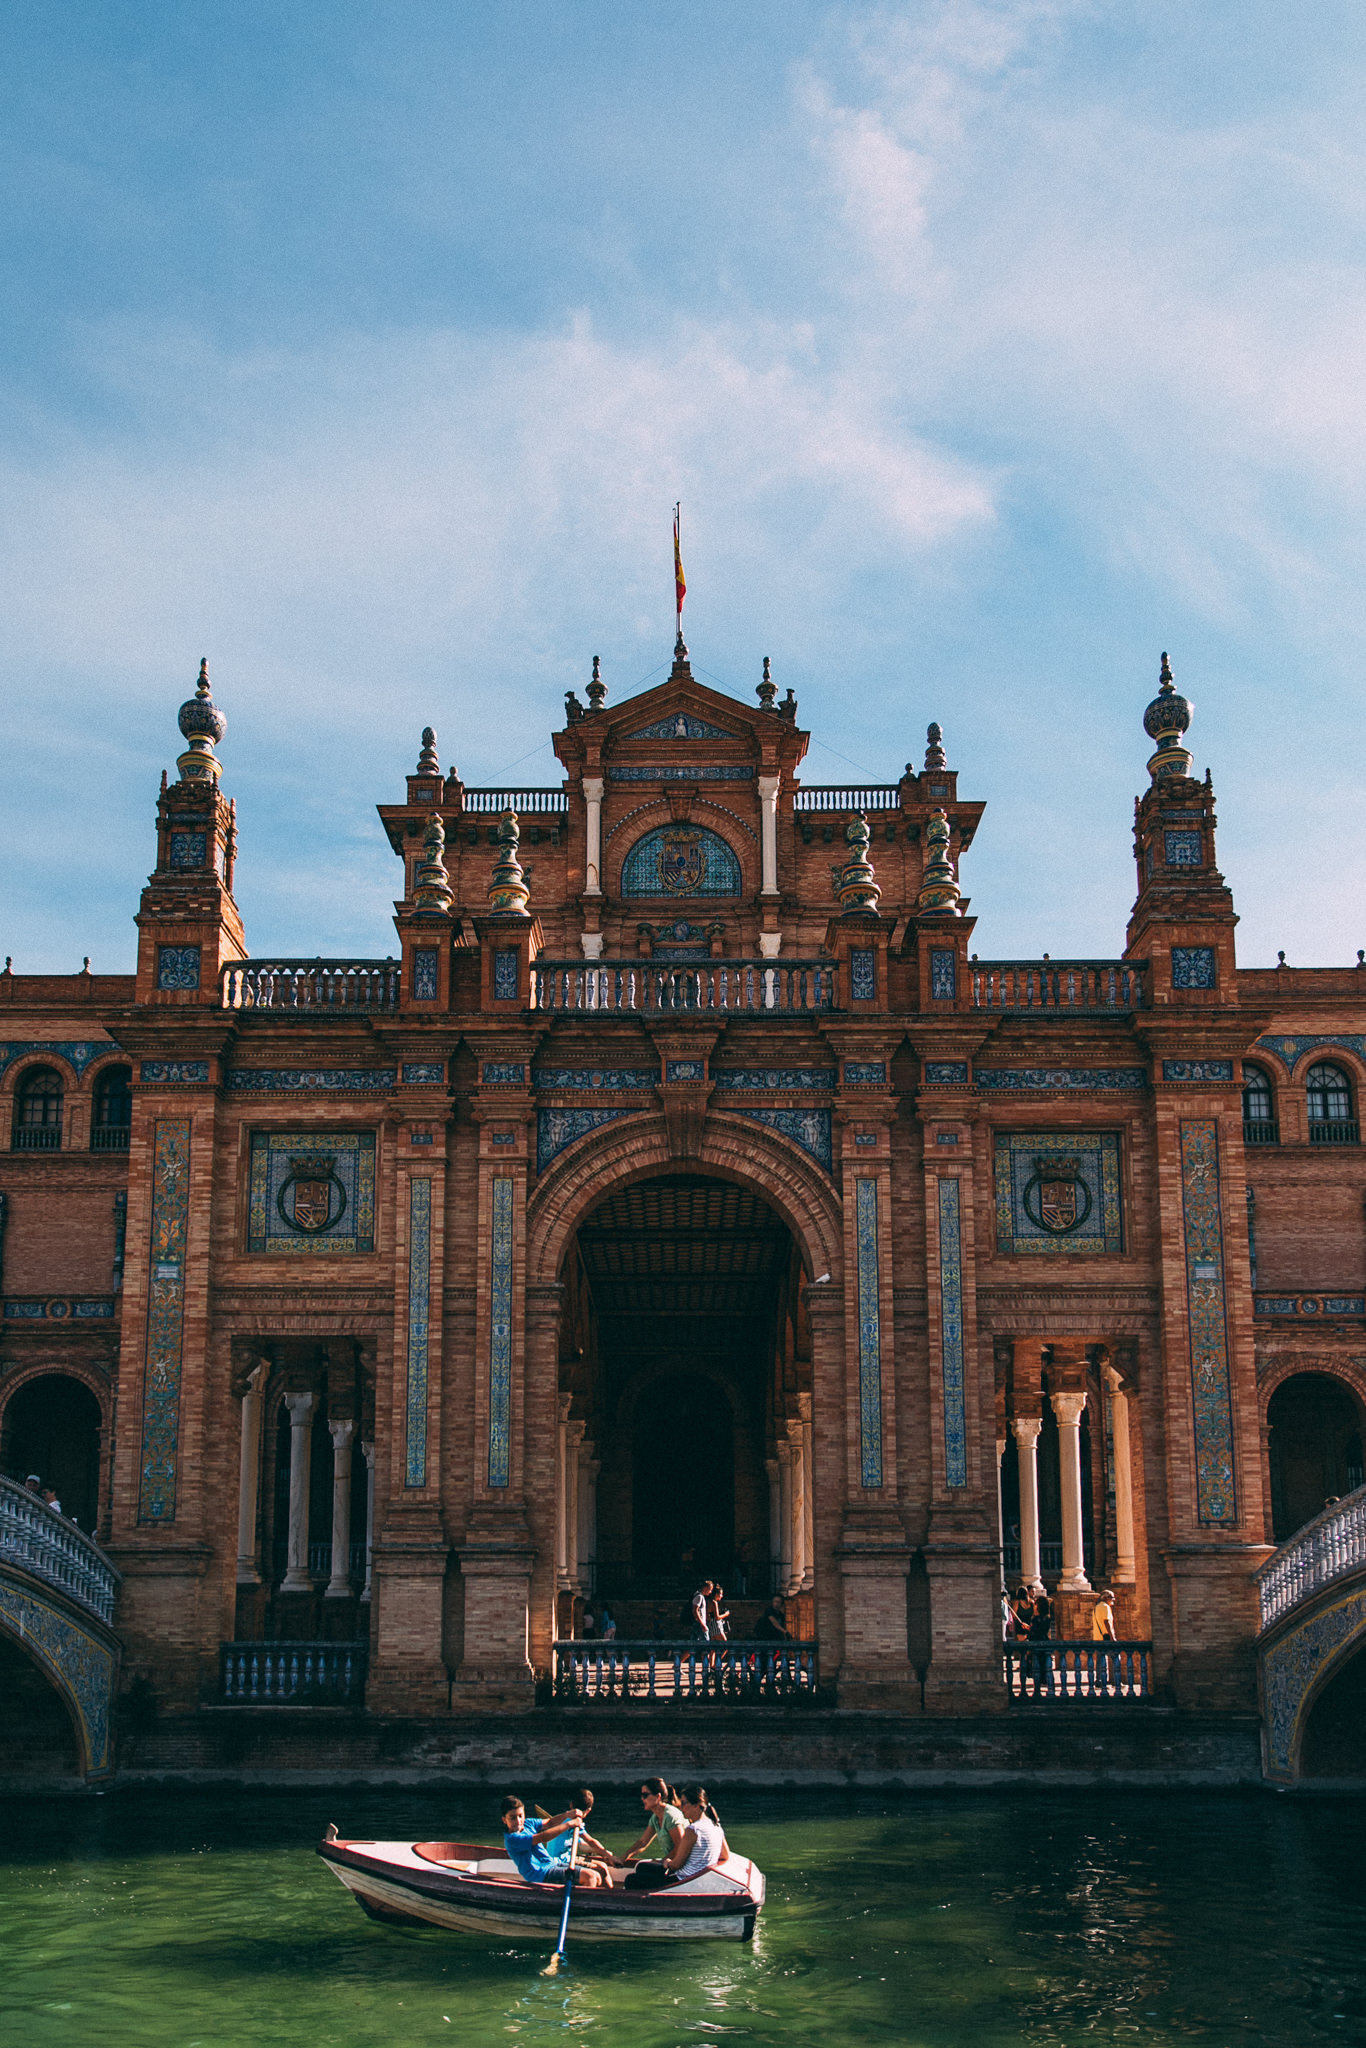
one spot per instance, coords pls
(662, 1836)
(529, 1846)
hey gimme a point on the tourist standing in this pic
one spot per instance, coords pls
(718, 1615)
(609, 1625)
(1103, 1631)
(700, 1609)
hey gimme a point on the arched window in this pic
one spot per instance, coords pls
(113, 1110)
(38, 1111)
(1331, 1121)
(1259, 1109)
(681, 860)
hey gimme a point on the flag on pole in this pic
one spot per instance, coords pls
(680, 587)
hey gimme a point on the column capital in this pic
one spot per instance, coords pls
(1026, 1428)
(300, 1408)
(1067, 1406)
(341, 1433)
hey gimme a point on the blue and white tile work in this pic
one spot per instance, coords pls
(503, 1194)
(558, 1128)
(809, 1128)
(507, 976)
(946, 1073)
(943, 973)
(159, 1458)
(951, 1334)
(681, 860)
(426, 974)
(423, 1073)
(313, 1080)
(419, 1313)
(80, 1664)
(573, 1078)
(1193, 967)
(502, 1073)
(862, 974)
(770, 1078)
(685, 1070)
(1197, 1070)
(311, 1193)
(1211, 1386)
(869, 1332)
(1023, 1080)
(1184, 849)
(868, 1073)
(1293, 1667)
(1293, 1050)
(178, 967)
(58, 1309)
(1058, 1194)
(702, 771)
(189, 849)
(1309, 1305)
(680, 725)
(173, 1073)
(76, 1052)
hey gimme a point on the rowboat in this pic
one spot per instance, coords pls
(475, 1888)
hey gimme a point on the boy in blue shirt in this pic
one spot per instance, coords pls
(529, 1847)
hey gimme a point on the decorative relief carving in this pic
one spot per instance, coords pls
(595, 1077)
(311, 1192)
(1059, 1079)
(1057, 1193)
(308, 1080)
(1197, 1070)
(775, 1077)
(681, 725)
(173, 1072)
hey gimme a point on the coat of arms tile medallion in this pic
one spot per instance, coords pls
(312, 1192)
(1057, 1193)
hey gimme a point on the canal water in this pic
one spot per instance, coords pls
(954, 1920)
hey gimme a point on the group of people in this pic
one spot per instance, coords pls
(46, 1494)
(683, 1837)
(1029, 1616)
(706, 1617)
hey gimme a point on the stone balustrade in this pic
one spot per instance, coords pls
(294, 1674)
(1070, 987)
(327, 985)
(688, 1669)
(845, 800)
(53, 1549)
(1077, 1671)
(732, 987)
(1328, 1548)
(527, 803)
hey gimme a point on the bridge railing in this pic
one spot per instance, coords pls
(1327, 1548)
(328, 985)
(688, 1669)
(1077, 1671)
(737, 987)
(299, 1674)
(46, 1544)
(1059, 987)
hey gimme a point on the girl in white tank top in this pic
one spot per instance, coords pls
(704, 1841)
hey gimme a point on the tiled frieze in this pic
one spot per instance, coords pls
(1293, 1049)
(178, 967)
(862, 1074)
(419, 1316)
(702, 771)
(945, 1073)
(1211, 1389)
(1309, 1305)
(311, 1193)
(60, 1308)
(869, 1332)
(422, 1073)
(502, 1073)
(685, 1070)
(951, 1334)
(809, 1128)
(159, 1459)
(77, 1053)
(595, 1077)
(500, 1332)
(1055, 1080)
(943, 973)
(1192, 967)
(769, 1078)
(1058, 1193)
(173, 1073)
(426, 973)
(1197, 1070)
(312, 1080)
(862, 974)
(558, 1128)
(189, 849)
(1184, 849)
(507, 972)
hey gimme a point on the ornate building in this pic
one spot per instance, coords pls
(683, 1195)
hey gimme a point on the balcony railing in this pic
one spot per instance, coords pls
(109, 1138)
(294, 1674)
(1261, 1130)
(863, 796)
(736, 987)
(1328, 1548)
(685, 1670)
(320, 1560)
(528, 803)
(1077, 1671)
(329, 985)
(53, 1549)
(1071, 987)
(37, 1137)
(1338, 1130)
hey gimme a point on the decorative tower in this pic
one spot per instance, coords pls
(509, 935)
(189, 926)
(1183, 919)
(426, 919)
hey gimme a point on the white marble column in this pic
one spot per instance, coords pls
(587, 1547)
(1068, 1407)
(1026, 1428)
(768, 834)
(562, 1491)
(808, 1497)
(1126, 1568)
(367, 1451)
(573, 1443)
(339, 1585)
(592, 797)
(1001, 1506)
(249, 1477)
(300, 1406)
(798, 1506)
(785, 1481)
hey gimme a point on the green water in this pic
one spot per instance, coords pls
(990, 1919)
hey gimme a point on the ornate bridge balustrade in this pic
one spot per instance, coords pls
(1312, 1595)
(1075, 988)
(327, 985)
(685, 1671)
(738, 987)
(57, 1592)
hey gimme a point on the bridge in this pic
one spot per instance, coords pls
(57, 1593)
(1313, 1626)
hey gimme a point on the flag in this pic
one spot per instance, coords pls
(680, 587)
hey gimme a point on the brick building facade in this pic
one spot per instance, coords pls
(684, 1194)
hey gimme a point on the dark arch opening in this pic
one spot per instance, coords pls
(683, 1491)
(52, 1427)
(1334, 1741)
(1316, 1432)
(37, 1735)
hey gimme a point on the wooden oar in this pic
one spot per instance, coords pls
(552, 1968)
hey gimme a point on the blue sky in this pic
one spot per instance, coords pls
(991, 345)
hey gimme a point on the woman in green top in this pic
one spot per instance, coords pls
(660, 1839)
